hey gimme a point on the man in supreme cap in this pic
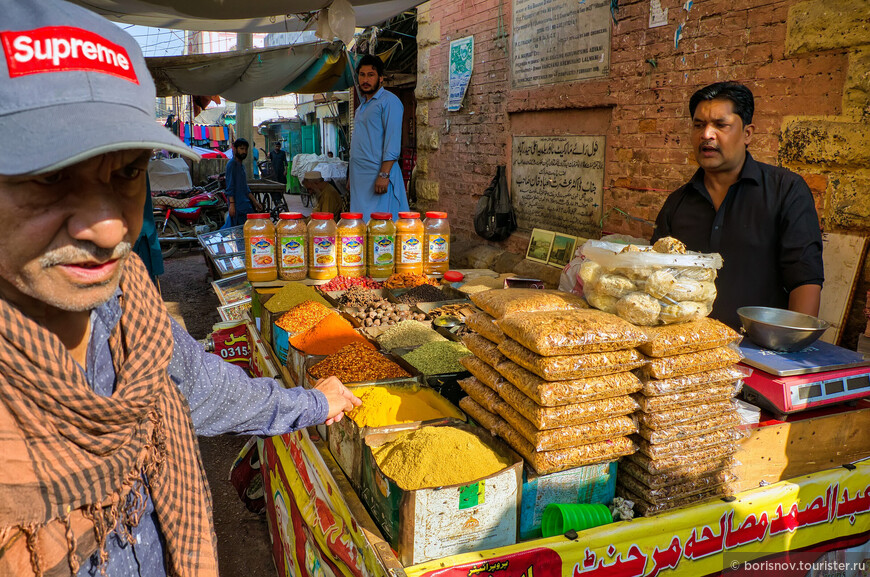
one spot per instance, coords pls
(102, 394)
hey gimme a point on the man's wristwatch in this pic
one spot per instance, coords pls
(383, 175)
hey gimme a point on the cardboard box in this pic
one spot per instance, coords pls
(259, 297)
(346, 438)
(589, 484)
(433, 523)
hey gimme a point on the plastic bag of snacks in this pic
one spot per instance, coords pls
(691, 337)
(694, 381)
(709, 395)
(502, 302)
(571, 332)
(689, 446)
(687, 414)
(485, 326)
(555, 393)
(649, 286)
(567, 367)
(679, 365)
(565, 415)
(484, 349)
(484, 373)
(544, 462)
(700, 460)
(661, 495)
(489, 421)
(690, 429)
(483, 395)
(710, 474)
(565, 437)
(644, 508)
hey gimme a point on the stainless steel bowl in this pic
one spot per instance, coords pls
(780, 329)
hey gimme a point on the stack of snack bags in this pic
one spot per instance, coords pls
(688, 422)
(551, 378)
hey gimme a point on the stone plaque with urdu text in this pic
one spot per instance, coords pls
(557, 182)
(559, 41)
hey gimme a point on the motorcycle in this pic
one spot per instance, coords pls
(181, 220)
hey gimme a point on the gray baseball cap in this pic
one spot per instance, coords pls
(75, 79)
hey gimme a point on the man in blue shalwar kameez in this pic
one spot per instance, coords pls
(376, 183)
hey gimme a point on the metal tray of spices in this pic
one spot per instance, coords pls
(400, 352)
(415, 375)
(333, 296)
(295, 361)
(449, 292)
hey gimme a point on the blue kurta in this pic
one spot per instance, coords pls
(377, 137)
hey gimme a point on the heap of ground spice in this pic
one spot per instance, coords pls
(291, 295)
(357, 363)
(328, 336)
(302, 317)
(383, 406)
(438, 358)
(431, 457)
(424, 293)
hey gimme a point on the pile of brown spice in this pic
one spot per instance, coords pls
(357, 363)
(422, 294)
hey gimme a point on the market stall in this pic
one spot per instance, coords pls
(551, 402)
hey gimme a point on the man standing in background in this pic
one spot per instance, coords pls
(279, 163)
(376, 183)
(239, 196)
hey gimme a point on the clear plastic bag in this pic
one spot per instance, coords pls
(555, 393)
(664, 495)
(690, 429)
(544, 462)
(698, 462)
(692, 413)
(694, 336)
(571, 332)
(568, 367)
(483, 395)
(644, 508)
(565, 415)
(694, 381)
(571, 436)
(489, 421)
(679, 365)
(713, 473)
(484, 373)
(502, 302)
(649, 286)
(485, 326)
(688, 446)
(685, 399)
(485, 350)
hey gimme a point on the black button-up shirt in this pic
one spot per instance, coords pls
(766, 230)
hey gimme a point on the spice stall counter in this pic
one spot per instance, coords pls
(320, 527)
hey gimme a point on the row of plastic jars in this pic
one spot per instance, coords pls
(321, 250)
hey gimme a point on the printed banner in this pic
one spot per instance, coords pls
(461, 66)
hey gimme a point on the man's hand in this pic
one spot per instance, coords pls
(232, 210)
(381, 185)
(339, 397)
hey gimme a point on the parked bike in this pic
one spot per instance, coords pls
(180, 220)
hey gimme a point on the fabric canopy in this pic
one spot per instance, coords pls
(237, 15)
(244, 76)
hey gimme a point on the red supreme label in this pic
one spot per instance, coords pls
(64, 48)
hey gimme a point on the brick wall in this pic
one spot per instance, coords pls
(808, 64)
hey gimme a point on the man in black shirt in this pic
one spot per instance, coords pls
(279, 163)
(760, 218)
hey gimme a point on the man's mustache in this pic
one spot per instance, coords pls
(83, 251)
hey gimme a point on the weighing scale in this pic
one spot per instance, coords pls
(820, 375)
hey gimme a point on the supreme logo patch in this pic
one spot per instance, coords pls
(64, 48)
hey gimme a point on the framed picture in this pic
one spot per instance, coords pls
(539, 245)
(563, 250)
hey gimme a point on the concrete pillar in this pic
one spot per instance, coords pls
(245, 111)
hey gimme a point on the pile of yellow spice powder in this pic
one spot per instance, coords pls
(436, 457)
(384, 406)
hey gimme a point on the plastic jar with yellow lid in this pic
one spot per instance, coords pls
(292, 236)
(322, 263)
(409, 243)
(381, 253)
(436, 244)
(352, 245)
(260, 262)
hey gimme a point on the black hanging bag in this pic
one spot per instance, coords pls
(494, 218)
